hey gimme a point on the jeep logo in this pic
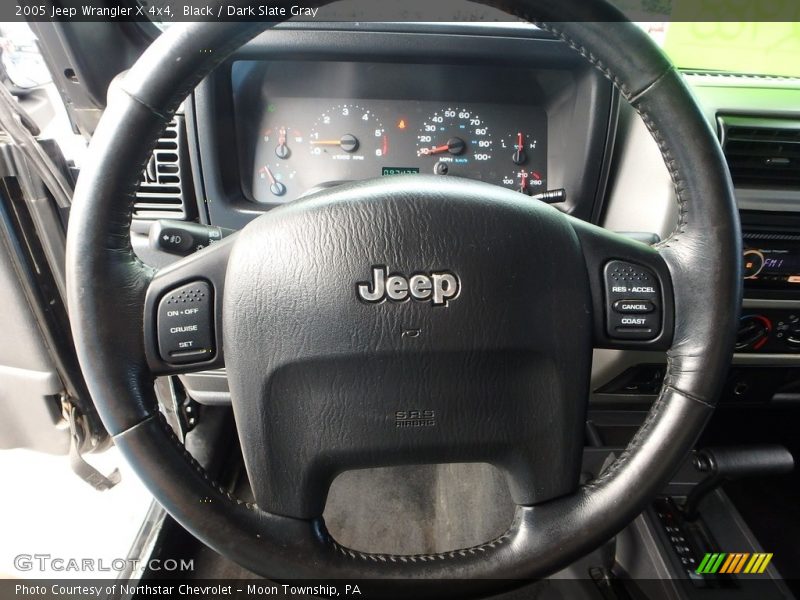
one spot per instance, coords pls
(437, 287)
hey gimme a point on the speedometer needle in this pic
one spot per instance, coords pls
(453, 146)
(435, 150)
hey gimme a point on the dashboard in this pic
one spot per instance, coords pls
(311, 124)
(305, 143)
(299, 110)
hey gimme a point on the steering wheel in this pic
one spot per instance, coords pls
(407, 320)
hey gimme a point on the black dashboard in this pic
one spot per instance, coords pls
(299, 110)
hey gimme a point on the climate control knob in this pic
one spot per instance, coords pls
(753, 332)
(788, 330)
(793, 336)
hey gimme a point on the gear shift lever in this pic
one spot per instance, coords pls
(724, 464)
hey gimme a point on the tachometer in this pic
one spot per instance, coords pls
(348, 132)
(453, 138)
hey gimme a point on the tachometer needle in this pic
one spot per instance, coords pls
(348, 142)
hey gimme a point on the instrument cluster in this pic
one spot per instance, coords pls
(303, 144)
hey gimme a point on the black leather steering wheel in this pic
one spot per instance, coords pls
(506, 297)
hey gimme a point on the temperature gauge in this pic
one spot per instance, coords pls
(527, 182)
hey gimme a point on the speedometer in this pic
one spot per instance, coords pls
(453, 138)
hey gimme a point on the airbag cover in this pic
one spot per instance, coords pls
(407, 320)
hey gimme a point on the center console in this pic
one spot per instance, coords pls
(770, 321)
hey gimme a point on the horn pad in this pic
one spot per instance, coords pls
(407, 320)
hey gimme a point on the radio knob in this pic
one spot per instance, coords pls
(753, 332)
(753, 263)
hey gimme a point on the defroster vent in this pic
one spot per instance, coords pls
(762, 152)
(165, 190)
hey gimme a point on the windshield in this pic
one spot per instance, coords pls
(751, 48)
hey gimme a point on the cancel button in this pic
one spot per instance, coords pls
(633, 306)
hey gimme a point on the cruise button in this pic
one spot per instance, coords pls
(633, 306)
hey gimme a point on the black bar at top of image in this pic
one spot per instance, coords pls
(173, 11)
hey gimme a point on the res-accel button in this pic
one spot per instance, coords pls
(185, 324)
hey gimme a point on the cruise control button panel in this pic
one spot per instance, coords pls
(185, 324)
(633, 302)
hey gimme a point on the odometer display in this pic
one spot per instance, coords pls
(398, 170)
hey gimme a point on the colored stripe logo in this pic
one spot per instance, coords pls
(734, 562)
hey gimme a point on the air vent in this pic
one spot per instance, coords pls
(165, 190)
(762, 152)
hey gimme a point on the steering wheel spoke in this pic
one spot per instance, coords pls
(182, 312)
(631, 288)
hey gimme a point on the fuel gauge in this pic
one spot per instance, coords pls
(275, 180)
